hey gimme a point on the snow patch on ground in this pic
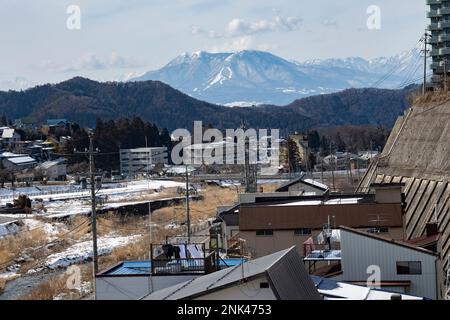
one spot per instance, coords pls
(8, 229)
(82, 251)
(52, 230)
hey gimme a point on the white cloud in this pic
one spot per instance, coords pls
(239, 27)
(95, 62)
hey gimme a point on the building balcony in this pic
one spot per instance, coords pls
(444, 51)
(434, 52)
(434, 27)
(444, 25)
(434, 14)
(434, 40)
(442, 12)
(444, 37)
(435, 65)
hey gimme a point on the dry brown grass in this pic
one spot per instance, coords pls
(14, 246)
(200, 210)
(57, 285)
(2, 285)
(429, 97)
(49, 289)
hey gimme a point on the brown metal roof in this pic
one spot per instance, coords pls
(359, 215)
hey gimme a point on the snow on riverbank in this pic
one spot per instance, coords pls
(52, 230)
(82, 251)
(8, 229)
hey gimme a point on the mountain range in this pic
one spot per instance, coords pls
(256, 77)
(82, 100)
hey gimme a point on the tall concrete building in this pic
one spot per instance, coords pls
(439, 27)
(134, 162)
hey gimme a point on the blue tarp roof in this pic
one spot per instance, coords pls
(143, 267)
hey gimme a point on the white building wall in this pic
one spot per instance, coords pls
(246, 291)
(360, 252)
(134, 287)
(133, 161)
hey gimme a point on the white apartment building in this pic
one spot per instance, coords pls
(134, 162)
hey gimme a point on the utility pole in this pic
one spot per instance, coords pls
(187, 207)
(426, 36)
(91, 154)
(332, 162)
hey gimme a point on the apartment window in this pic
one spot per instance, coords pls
(302, 232)
(264, 233)
(264, 285)
(378, 230)
(409, 267)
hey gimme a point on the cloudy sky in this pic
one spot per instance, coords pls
(120, 37)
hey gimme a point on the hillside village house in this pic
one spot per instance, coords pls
(279, 276)
(272, 224)
(55, 170)
(9, 136)
(353, 255)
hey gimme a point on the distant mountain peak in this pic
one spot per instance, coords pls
(262, 77)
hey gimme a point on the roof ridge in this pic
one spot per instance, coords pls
(389, 240)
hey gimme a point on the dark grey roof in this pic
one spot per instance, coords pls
(309, 182)
(285, 187)
(284, 270)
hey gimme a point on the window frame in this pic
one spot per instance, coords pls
(409, 268)
(304, 232)
(264, 233)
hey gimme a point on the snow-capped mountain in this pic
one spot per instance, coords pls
(256, 77)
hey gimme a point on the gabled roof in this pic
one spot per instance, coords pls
(284, 270)
(56, 122)
(390, 241)
(309, 182)
(48, 164)
(22, 160)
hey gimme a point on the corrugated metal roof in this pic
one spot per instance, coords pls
(288, 278)
(21, 160)
(131, 268)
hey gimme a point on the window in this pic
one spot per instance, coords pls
(302, 232)
(409, 267)
(264, 233)
(264, 285)
(379, 230)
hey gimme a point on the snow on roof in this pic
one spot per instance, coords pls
(11, 155)
(332, 289)
(8, 133)
(21, 160)
(316, 183)
(49, 164)
(318, 202)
